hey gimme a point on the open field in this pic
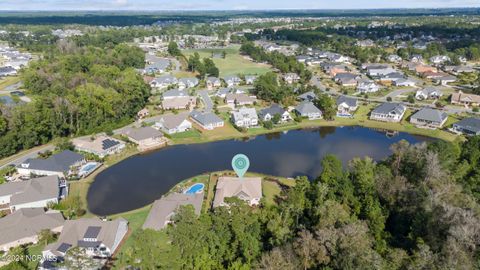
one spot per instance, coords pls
(4, 82)
(233, 64)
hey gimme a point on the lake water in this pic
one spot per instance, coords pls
(139, 180)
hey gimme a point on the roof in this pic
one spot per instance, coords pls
(244, 113)
(191, 80)
(430, 114)
(307, 107)
(310, 95)
(248, 187)
(143, 133)
(350, 101)
(171, 121)
(213, 79)
(28, 222)
(472, 124)
(239, 98)
(272, 110)
(386, 108)
(430, 90)
(98, 144)
(60, 162)
(175, 93)
(163, 208)
(205, 118)
(463, 97)
(165, 79)
(74, 232)
(34, 190)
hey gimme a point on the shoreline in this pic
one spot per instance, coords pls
(82, 186)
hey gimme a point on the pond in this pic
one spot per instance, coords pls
(141, 179)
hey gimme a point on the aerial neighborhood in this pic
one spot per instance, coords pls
(77, 102)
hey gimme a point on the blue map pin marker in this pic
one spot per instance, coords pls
(240, 164)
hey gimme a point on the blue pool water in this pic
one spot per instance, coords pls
(195, 188)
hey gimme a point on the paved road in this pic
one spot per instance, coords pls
(33, 154)
(207, 101)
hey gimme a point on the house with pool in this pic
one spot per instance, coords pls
(62, 164)
(248, 189)
(163, 210)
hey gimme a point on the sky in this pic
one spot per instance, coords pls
(150, 5)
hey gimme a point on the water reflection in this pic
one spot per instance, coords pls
(141, 179)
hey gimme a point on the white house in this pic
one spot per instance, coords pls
(388, 112)
(173, 123)
(248, 189)
(61, 164)
(245, 117)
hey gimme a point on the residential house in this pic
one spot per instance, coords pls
(173, 123)
(367, 86)
(309, 110)
(388, 112)
(23, 226)
(159, 65)
(187, 82)
(307, 96)
(175, 93)
(346, 79)
(416, 58)
(465, 99)
(429, 118)
(468, 126)
(290, 78)
(222, 92)
(380, 70)
(439, 59)
(143, 113)
(179, 103)
(234, 100)
(393, 58)
(163, 82)
(428, 93)
(99, 238)
(250, 79)
(163, 210)
(232, 80)
(206, 120)
(36, 192)
(100, 146)
(248, 189)
(346, 106)
(145, 137)
(212, 82)
(267, 114)
(420, 69)
(446, 79)
(7, 71)
(405, 82)
(61, 164)
(245, 117)
(390, 78)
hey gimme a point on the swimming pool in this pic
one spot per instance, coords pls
(87, 169)
(196, 188)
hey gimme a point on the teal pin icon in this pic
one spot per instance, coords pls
(240, 164)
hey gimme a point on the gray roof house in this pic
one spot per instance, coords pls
(212, 82)
(245, 117)
(101, 145)
(163, 81)
(59, 164)
(388, 112)
(7, 71)
(173, 123)
(145, 137)
(164, 209)
(23, 226)
(187, 82)
(37, 192)
(206, 120)
(428, 93)
(232, 80)
(346, 106)
(468, 126)
(307, 96)
(429, 118)
(100, 238)
(250, 79)
(160, 65)
(308, 109)
(346, 79)
(267, 114)
(248, 189)
(175, 93)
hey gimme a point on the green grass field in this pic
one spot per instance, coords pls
(233, 64)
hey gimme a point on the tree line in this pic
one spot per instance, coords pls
(76, 90)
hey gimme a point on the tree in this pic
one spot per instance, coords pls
(173, 49)
(77, 258)
(276, 118)
(46, 236)
(64, 144)
(327, 106)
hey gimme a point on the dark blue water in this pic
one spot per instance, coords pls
(141, 179)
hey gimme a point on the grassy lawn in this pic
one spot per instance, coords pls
(193, 133)
(8, 81)
(233, 64)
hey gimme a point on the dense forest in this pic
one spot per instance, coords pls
(418, 209)
(77, 90)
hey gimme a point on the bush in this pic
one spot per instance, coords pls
(389, 99)
(268, 124)
(475, 109)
